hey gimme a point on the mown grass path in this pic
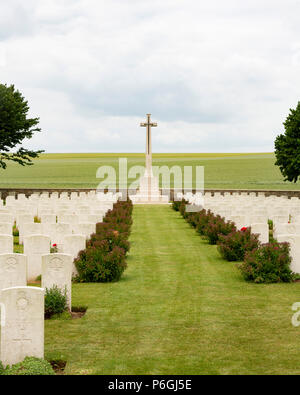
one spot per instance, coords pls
(179, 309)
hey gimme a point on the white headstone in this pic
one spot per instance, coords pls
(262, 230)
(6, 244)
(5, 228)
(92, 218)
(34, 247)
(286, 229)
(13, 270)
(57, 233)
(24, 219)
(48, 218)
(22, 334)
(72, 245)
(68, 219)
(29, 229)
(294, 241)
(85, 229)
(57, 270)
(240, 221)
(6, 218)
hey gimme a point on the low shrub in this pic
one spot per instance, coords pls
(235, 245)
(204, 218)
(270, 263)
(218, 226)
(113, 238)
(176, 205)
(29, 367)
(100, 264)
(55, 301)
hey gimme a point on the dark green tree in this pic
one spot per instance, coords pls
(287, 147)
(15, 127)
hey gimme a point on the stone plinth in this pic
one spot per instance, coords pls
(149, 192)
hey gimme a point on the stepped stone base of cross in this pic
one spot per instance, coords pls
(149, 192)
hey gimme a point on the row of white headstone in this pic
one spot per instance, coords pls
(22, 307)
(35, 246)
(250, 210)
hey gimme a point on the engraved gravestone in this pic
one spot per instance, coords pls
(57, 270)
(13, 270)
(22, 334)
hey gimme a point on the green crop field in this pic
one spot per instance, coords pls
(222, 171)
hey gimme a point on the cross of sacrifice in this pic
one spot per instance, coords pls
(149, 125)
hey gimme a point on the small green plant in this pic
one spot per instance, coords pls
(55, 301)
(270, 263)
(37, 220)
(29, 367)
(15, 231)
(54, 249)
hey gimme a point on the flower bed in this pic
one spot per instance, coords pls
(262, 263)
(104, 259)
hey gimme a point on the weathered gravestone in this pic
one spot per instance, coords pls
(34, 247)
(57, 270)
(13, 270)
(22, 332)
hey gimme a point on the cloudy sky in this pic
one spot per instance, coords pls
(218, 76)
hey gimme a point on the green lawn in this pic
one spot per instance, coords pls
(222, 171)
(179, 309)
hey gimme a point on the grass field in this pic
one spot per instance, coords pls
(222, 171)
(179, 309)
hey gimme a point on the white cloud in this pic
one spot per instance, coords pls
(217, 76)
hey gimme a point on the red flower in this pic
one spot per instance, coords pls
(54, 245)
(244, 229)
